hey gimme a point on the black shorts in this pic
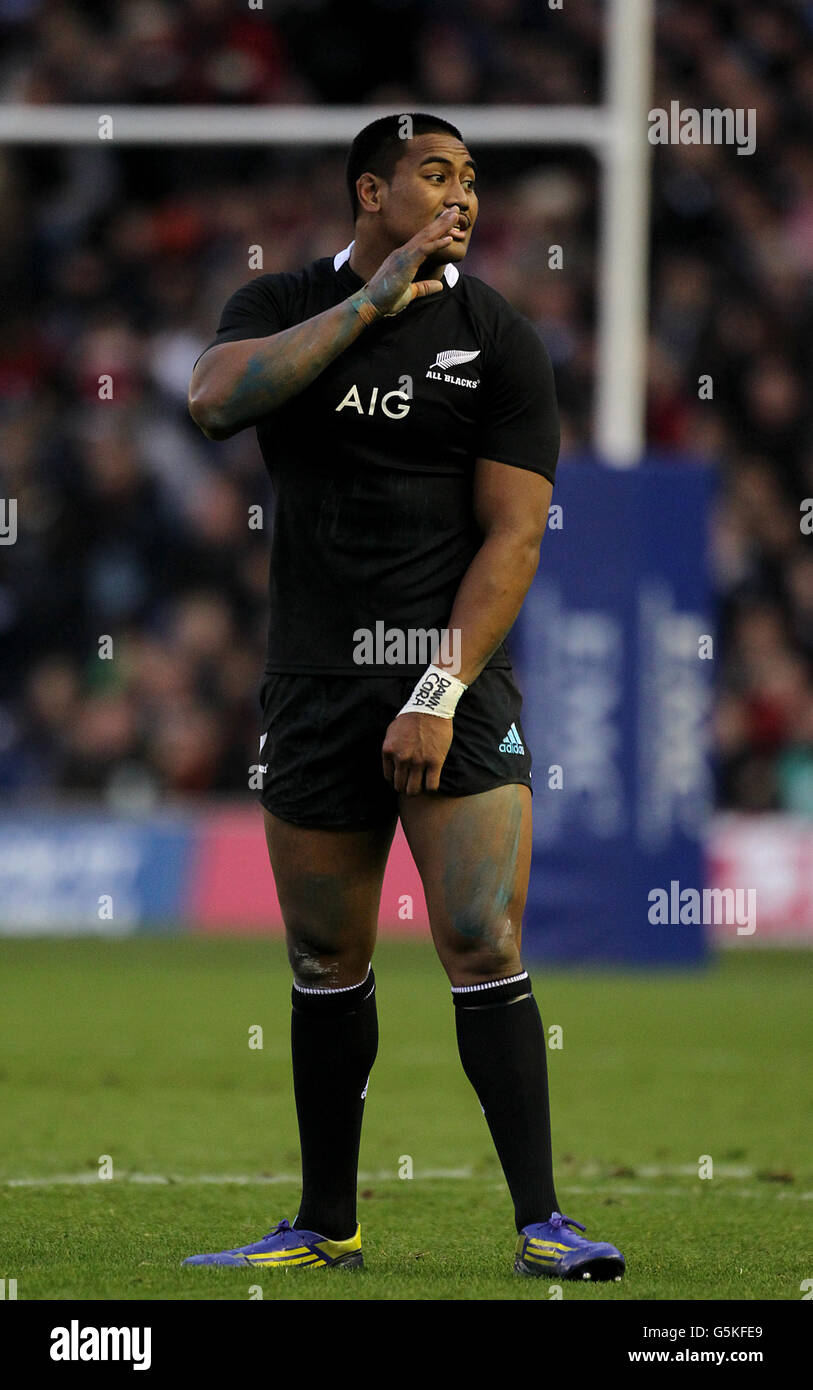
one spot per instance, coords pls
(320, 751)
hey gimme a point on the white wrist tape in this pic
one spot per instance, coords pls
(437, 692)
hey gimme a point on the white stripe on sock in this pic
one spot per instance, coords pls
(489, 984)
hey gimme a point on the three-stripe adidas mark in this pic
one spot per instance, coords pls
(512, 743)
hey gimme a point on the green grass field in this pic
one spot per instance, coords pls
(139, 1050)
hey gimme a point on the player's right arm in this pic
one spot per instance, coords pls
(235, 384)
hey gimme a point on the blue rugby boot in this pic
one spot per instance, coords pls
(549, 1249)
(288, 1248)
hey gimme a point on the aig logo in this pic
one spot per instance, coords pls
(352, 401)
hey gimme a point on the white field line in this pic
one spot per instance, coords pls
(618, 1187)
(213, 1179)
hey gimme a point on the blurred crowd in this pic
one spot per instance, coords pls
(133, 604)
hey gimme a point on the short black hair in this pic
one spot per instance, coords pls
(378, 147)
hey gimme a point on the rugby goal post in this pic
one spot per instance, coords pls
(615, 132)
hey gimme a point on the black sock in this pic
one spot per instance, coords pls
(502, 1047)
(334, 1040)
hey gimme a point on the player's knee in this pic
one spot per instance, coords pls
(312, 959)
(319, 962)
(489, 955)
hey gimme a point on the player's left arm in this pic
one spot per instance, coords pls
(516, 462)
(511, 509)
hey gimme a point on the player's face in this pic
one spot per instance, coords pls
(434, 172)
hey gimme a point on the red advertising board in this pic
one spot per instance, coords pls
(231, 887)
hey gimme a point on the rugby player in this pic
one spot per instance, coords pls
(407, 416)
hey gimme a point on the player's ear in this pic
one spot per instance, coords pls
(368, 191)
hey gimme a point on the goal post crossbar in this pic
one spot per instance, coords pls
(290, 125)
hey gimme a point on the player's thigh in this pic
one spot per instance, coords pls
(474, 857)
(329, 889)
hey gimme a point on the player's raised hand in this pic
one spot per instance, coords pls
(392, 287)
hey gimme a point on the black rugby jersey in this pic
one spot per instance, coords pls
(372, 464)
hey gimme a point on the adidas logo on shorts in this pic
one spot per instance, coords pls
(512, 743)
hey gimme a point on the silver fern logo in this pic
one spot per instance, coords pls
(453, 358)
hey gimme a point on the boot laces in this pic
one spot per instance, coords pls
(558, 1220)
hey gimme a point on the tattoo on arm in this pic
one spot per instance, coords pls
(283, 365)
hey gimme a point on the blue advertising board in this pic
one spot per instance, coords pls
(614, 653)
(81, 872)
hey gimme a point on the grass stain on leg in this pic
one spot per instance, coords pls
(478, 887)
